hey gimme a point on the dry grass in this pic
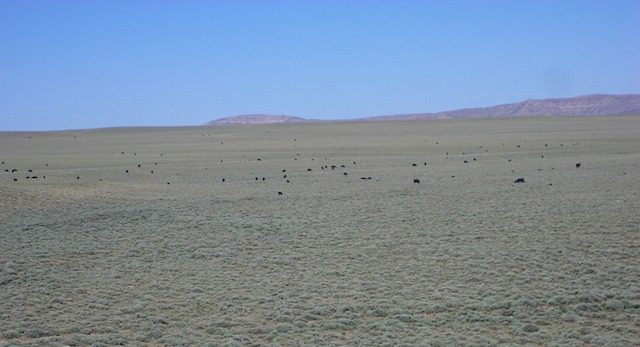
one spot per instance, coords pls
(466, 257)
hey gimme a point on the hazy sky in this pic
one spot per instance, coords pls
(86, 64)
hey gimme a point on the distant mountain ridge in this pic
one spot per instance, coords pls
(587, 105)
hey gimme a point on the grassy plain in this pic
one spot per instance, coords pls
(95, 255)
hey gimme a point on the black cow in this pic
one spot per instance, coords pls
(578, 164)
(519, 180)
(415, 180)
(280, 193)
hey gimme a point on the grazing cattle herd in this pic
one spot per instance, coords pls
(333, 167)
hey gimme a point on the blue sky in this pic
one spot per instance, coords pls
(87, 64)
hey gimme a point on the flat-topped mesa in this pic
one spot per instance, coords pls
(256, 119)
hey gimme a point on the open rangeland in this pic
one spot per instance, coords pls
(344, 233)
